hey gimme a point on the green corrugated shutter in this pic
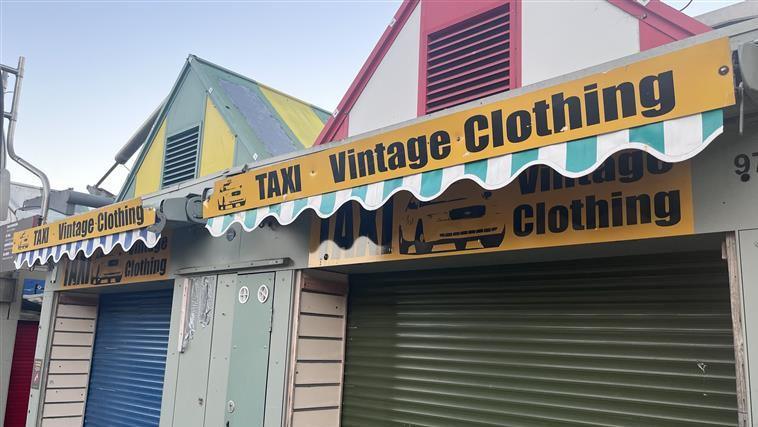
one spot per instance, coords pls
(635, 341)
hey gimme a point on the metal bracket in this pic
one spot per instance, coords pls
(248, 265)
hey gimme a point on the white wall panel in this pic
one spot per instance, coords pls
(560, 37)
(391, 95)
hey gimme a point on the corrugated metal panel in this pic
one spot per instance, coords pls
(469, 60)
(129, 360)
(21, 374)
(607, 342)
(180, 161)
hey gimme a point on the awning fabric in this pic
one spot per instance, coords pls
(671, 141)
(126, 240)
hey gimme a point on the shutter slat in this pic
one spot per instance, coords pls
(129, 359)
(620, 341)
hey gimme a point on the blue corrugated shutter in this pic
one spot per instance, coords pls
(129, 359)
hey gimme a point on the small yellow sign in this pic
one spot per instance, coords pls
(112, 219)
(632, 195)
(139, 264)
(680, 83)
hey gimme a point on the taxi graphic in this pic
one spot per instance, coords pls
(23, 241)
(456, 221)
(230, 196)
(108, 272)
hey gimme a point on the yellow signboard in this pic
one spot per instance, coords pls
(112, 219)
(139, 264)
(632, 195)
(676, 84)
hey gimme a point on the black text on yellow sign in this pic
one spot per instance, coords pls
(139, 264)
(632, 195)
(111, 219)
(681, 83)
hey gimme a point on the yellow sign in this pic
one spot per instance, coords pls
(676, 84)
(632, 195)
(112, 219)
(140, 264)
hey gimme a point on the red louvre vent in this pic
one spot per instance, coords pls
(469, 60)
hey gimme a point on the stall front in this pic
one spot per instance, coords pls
(561, 253)
(105, 319)
(147, 320)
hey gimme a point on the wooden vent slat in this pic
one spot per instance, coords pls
(460, 98)
(476, 70)
(459, 31)
(180, 160)
(481, 33)
(475, 61)
(469, 60)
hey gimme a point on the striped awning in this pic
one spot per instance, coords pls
(125, 240)
(670, 141)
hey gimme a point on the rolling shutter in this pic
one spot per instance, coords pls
(21, 374)
(611, 342)
(129, 360)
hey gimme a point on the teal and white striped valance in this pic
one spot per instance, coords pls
(106, 244)
(671, 141)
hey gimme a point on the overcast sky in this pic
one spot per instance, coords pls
(95, 70)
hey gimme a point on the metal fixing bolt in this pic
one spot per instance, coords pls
(230, 405)
(723, 70)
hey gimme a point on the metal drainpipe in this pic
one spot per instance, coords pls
(3, 153)
(12, 152)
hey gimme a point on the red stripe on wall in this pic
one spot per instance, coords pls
(21, 374)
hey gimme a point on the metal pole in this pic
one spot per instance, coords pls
(3, 152)
(12, 152)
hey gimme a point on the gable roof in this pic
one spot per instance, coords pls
(660, 17)
(266, 122)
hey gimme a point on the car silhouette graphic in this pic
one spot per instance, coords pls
(455, 221)
(108, 272)
(230, 196)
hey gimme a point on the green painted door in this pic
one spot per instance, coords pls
(248, 357)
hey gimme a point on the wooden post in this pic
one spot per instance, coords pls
(730, 252)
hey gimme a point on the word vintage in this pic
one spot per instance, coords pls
(112, 219)
(676, 84)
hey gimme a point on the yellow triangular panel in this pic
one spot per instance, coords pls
(299, 117)
(148, 177)
(218, 142)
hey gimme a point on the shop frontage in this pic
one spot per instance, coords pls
(107, 336)
(475, 268)
(638, 340)
(577, 253)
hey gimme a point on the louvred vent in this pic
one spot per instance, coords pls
(181, 156)
(469, 60)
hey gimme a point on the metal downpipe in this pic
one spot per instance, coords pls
(12, 152)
